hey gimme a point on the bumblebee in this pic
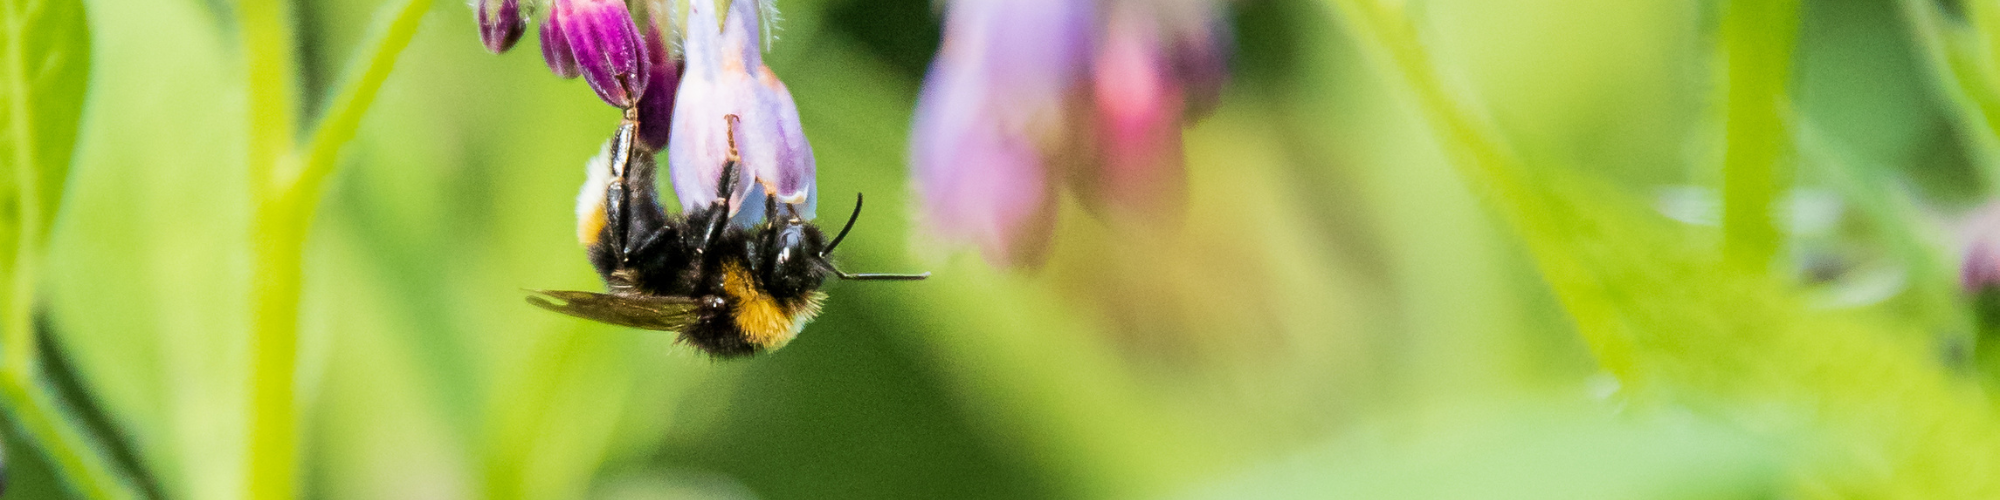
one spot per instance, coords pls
(728, 290)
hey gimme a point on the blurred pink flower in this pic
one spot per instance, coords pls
(1980, 268)
(1021, 90)
(726, 76)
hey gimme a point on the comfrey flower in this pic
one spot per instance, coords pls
(598, 40)
(501, 23)
(604, 46)
(726, 77)
(1025, 89)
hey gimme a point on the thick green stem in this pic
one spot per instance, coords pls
(278, 240)
(272, 456)
(287, 186)
(1757, 41)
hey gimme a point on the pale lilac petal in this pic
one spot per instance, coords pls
(725, 77)
(993, 111)
(979, 186)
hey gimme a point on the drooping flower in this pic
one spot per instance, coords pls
(606, 47)
(726, 90)
(501, 23)
(555, 47)
(991, 111)
(1026, 92)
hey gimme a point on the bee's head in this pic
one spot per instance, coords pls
(793, 258)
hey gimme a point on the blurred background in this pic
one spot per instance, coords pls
(1338, 315)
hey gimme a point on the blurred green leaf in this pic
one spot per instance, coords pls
(1866, 402)
(1524, 453)
(47, 69)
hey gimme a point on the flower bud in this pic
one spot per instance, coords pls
(656, 106)
(606, 46)
(555, 46)
(500, 23)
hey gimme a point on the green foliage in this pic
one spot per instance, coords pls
(1863, 405)
(1471, 300)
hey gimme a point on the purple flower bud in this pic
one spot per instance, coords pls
(994, 111)
(500, 23)
(656, 107)
(555, 46)
(725, 76)
(606, 46)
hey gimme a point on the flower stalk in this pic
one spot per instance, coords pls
(1757, 41)
(287, 184)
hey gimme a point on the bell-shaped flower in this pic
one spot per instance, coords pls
(991, 115)
(501, 23)
(728, 98)
(604, 44)
(1025, 92)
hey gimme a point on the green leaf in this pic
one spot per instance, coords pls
(45, 65)
(1870, 408)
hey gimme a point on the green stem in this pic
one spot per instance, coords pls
(1757, 41)
(396, 25)
(287, 186)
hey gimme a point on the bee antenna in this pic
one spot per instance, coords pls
(881, 277)
(860, 277)
(844, 229)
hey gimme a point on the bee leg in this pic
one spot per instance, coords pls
(724, 189)
(633, 220)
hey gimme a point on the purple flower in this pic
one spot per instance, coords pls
(555, 47)
(604, 45)
(656, 106)
(1022, 90)
(725, 77)
(500, 23)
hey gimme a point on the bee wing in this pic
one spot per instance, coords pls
(667, 314)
